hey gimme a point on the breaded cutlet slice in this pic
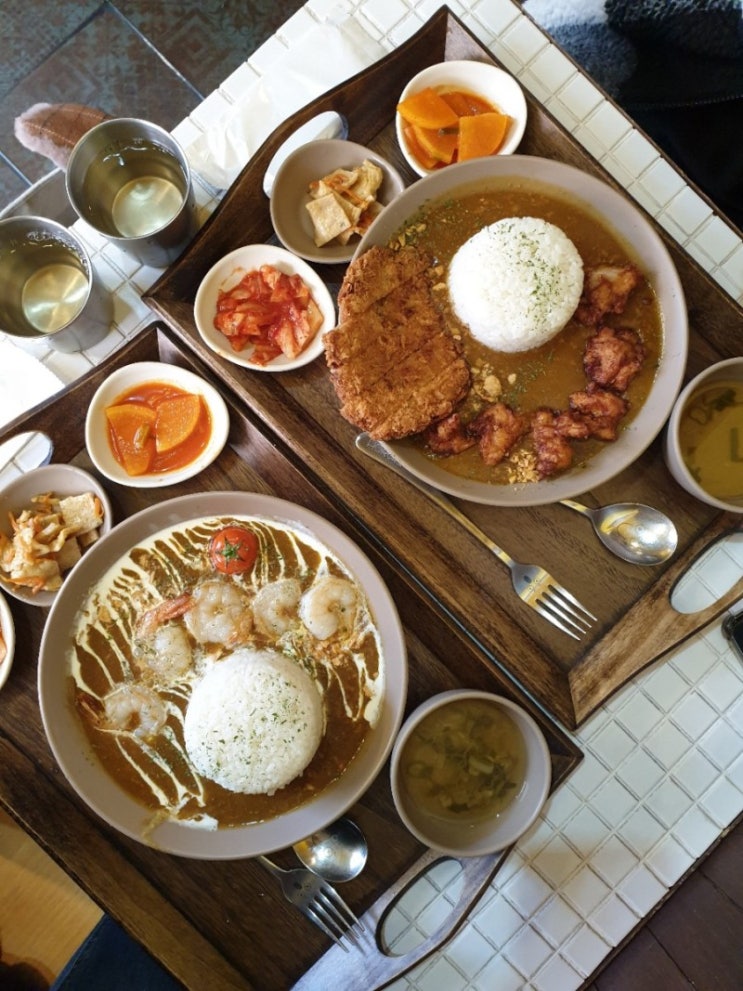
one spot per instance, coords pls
(424, 387)
(393, 363)
(376, 274)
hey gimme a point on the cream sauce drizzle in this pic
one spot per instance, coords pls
(162, 567)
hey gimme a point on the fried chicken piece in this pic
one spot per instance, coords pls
(497, 428)
(600, 410)
(552, 447)
(570, 425)
(393, 363)
(606, 289)
(448, 436)
(613, 357)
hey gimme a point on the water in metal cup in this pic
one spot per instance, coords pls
(131, 182)
(48, 288)
(145, 205)
(54, 294)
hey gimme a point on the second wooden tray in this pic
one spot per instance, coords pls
(462, 578)
(225, 924)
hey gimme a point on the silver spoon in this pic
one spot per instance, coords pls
(636, 533)
(336, 853)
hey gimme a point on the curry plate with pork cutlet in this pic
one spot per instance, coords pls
(549, 333)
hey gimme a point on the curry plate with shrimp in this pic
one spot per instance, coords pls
(229, 672)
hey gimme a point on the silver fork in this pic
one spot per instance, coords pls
(320, 902)
(534, 586)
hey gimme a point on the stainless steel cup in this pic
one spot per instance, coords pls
(131, 181)
(48, 287)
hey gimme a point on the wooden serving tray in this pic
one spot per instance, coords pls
(571, 679)
(225, 924)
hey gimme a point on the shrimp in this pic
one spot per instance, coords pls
(165, 654)
(161, 613)
(275, 607)
(219, 613)
(329, 607)
(128, 708)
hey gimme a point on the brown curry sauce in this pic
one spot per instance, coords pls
(544, 376)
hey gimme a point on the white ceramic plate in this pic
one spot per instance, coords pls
(70, 745)
(495, 85)
(227, 272)
(7, 628)
(126, 378)
(290, 195)
(62, 480)
(648, 248)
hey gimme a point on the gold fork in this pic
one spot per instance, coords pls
(534, 586)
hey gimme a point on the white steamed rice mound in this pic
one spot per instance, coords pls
(254, 722)
(516, 283)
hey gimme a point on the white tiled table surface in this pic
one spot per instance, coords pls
(662, 777)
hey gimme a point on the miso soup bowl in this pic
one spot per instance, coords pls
(490, 834)
(721, 371)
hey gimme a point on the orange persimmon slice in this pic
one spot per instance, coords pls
(458, 101)
(416, 150)
(132, 436)
(465, 104)
(440, 146)
(426, 109)
(176, 420)
(481, 135)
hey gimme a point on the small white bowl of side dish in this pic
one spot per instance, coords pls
(291, 194)
(125, 381)
(495, 86)
(7, 640)
(226, 274)
(700, 439)
(61, 481)
(470, 772)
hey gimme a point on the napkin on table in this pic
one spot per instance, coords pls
(327, 55)
(24, 382)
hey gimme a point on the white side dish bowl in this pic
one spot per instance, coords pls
(228, 272)
(127, 378)
(490, 834)
(62, 480)
(290, 195)
(7, 628)
(487, 81)
(722, 371)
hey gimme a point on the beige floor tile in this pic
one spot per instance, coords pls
(44, 916)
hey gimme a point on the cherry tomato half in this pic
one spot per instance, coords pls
(233, 550)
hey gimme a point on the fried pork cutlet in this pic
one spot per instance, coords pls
(393, 363)
(377, 273)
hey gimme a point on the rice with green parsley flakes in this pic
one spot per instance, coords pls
(516, 283)
(254, 722)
